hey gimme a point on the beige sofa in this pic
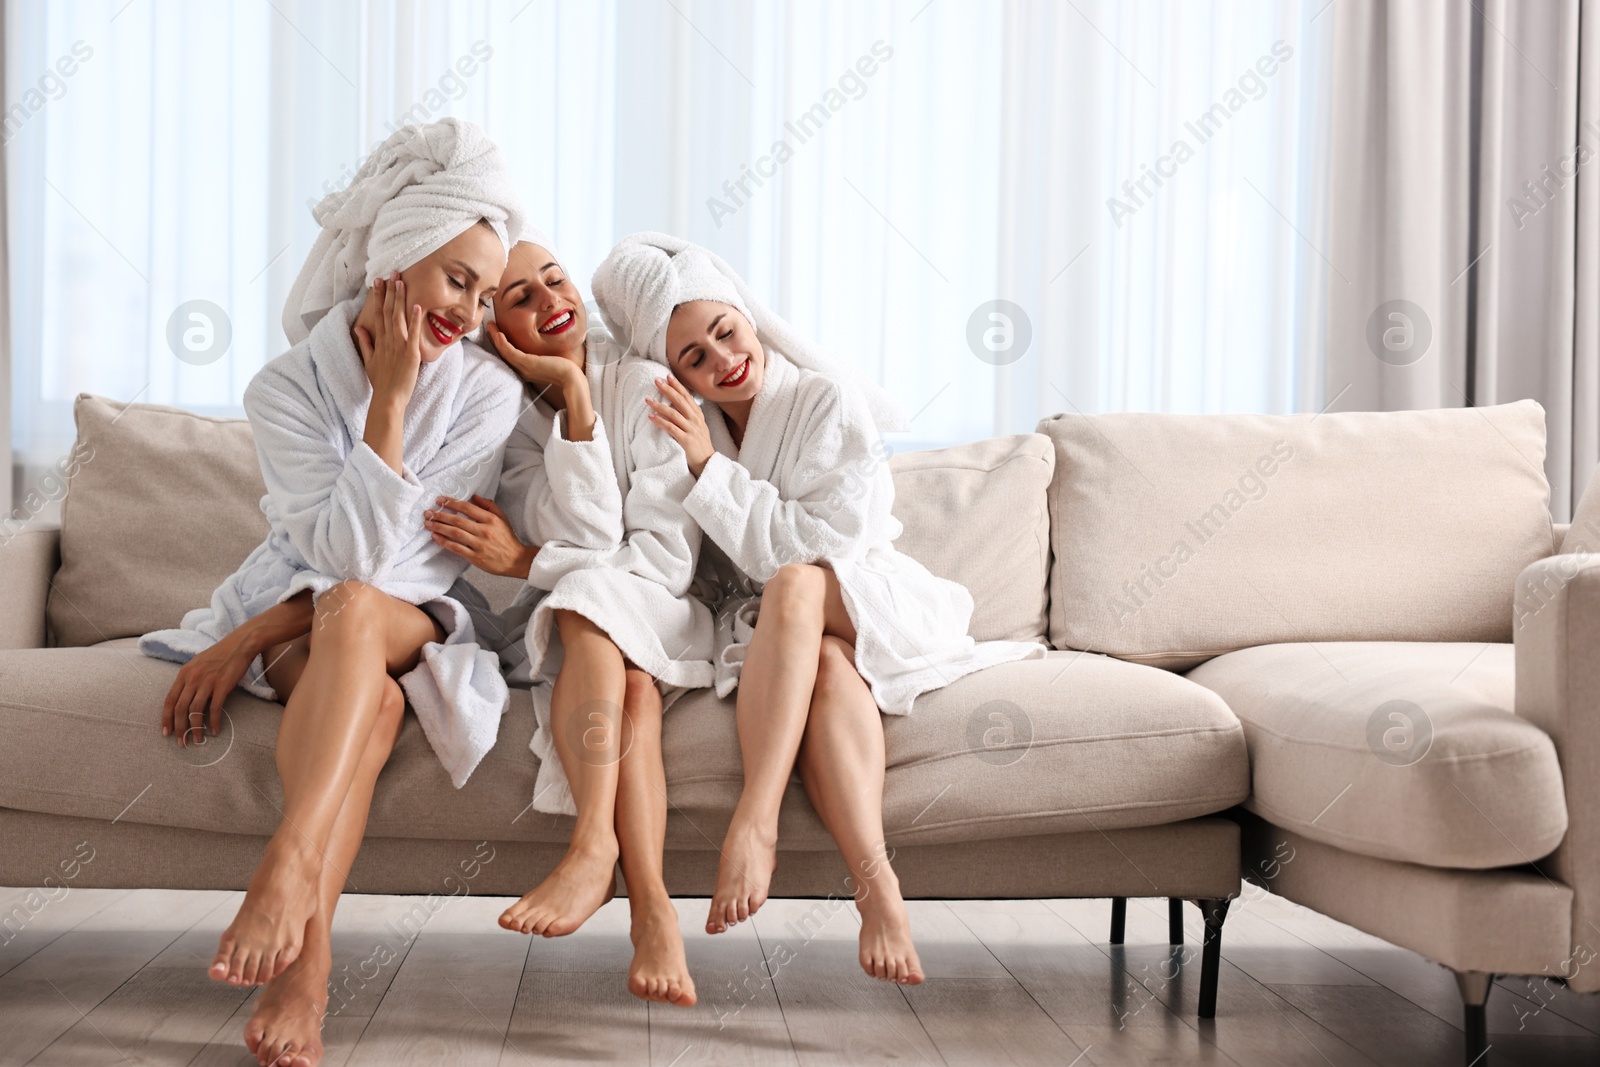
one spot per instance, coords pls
(1315, 576)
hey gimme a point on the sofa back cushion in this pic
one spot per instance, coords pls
(977, 515)
(161, 505)
(1180, 537)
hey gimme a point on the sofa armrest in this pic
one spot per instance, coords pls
(29, 554)
(1557, 632)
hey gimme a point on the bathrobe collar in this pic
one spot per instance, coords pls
(769, 419)
(339, 368)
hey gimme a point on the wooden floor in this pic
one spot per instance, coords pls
(117, 977)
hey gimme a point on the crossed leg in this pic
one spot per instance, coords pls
(798, 606)
(586, 728)
(842, 768)
(286, 1027)
(341, 716)
(659, 970)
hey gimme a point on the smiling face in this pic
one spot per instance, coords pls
(538, 307)
(713, 350)
(454, 285)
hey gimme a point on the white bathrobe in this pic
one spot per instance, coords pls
(338, 512)
(811, 484)
(616, 546)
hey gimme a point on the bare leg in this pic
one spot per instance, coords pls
(586, 726)
(842, 766)
(286, 1026)
(359, 637)
(798, 606)
(659, 970)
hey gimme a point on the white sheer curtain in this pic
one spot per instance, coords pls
(882, 171)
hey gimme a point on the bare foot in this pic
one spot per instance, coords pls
(286, 1028)
(659, 970)
(582, 881)
(749, 856)
(886, 948)
(266, 935)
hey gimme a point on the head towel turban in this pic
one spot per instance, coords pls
(647, 275)
(415, 192)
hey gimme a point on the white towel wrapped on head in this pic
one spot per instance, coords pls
(647, 275)
(415, 192)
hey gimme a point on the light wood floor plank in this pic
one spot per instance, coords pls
(47, 994)
(371, 936)
(1087, 992)
(1253, 1025)
(33, 918)
(118, 977)
(166, 1011)
(737, 1019)
(834, 1012)
(451, 998)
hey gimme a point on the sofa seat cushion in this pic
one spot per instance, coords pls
(1403, 751)
(1070, 743)
(1076, 741)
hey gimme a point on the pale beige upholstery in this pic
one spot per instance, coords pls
(162, 506)
(1558, 691)
(976, 514)
(1194, 859)
(1509, 921)
(1401, 750)
(28, 557)
(1068, 744)
(1181, 537)
(1583, 533)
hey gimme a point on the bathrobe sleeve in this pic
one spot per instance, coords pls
(837, 501)
(559, 491)
(350, 516)
(657, 539)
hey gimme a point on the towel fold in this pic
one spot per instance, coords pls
(648, 274)
(415, 192)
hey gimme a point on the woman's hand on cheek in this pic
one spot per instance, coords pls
(681, 417)
(479, 532)
(391, 351)
(554, 371)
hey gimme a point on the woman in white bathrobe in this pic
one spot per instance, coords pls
(349, 607)
(605, 631)
(821, 623)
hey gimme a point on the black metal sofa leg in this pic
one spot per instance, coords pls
(1119, 919)
(1214, 912)
(1475, 987)
(1174, 920)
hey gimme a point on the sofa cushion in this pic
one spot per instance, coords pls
(1181, 537)
(1072, 742)
(136, 555)
(163, 505)
(1401, 751)
(977, 515)
(1067, 743)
